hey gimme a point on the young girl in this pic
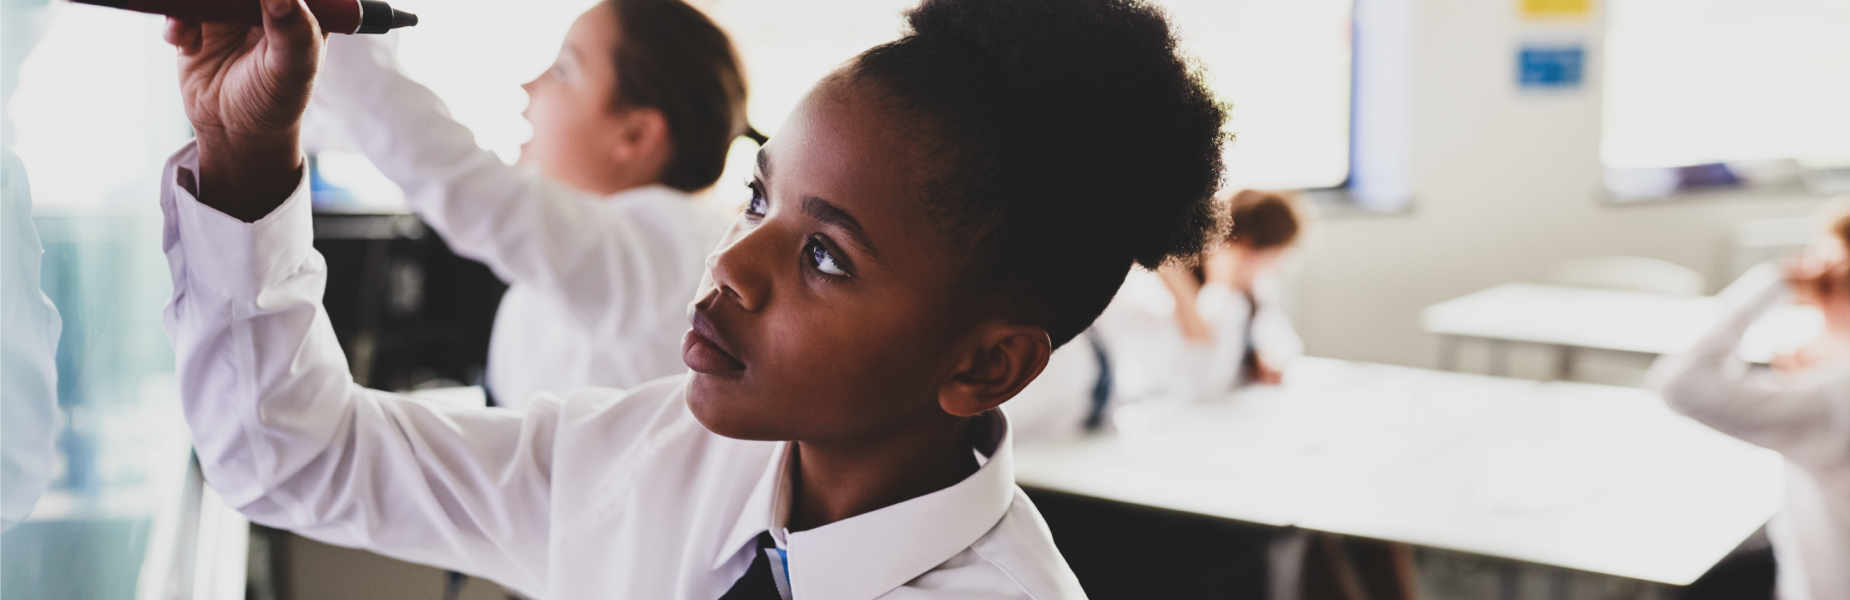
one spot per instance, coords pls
(1189, 331)
(1801, 409)
(1227, 311)
(934, 218)
(603, 251)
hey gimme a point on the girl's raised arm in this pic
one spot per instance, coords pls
(281, 430)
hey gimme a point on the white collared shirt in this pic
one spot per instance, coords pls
(601, 494)
(597, 287)
(1804, 416)
(1152, 359)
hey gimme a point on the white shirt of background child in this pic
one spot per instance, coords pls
(597, 287)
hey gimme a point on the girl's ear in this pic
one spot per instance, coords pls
(1007, 357)
(642, 135)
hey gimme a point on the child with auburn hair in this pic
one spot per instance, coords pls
(1231, 304)
(1800, 408)
(603, 248)
(934, 219)
(1191, 331)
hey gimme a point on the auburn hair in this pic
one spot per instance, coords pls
(1262, 219)
(672, 58)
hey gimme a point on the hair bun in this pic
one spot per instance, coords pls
(1105, 85)
(1076, 140)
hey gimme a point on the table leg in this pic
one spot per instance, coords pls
(1500, 357)
(1448, 352)
(1564, 362)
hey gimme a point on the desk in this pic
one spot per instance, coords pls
(1570, 318)
(1588, 477)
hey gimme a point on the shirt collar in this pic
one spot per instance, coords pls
(870, 554)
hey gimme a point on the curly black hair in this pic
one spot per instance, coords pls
(1074, 138)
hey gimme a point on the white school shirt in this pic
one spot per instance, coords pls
(28, 353)
(1804, 416)
(600, 494)
(1151, 359)
(598, 288)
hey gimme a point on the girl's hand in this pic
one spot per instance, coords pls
(245, 89)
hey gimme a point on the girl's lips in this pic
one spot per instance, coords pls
(703, 354)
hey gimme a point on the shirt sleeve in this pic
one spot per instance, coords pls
(286, 436)
(28, 352)
(529, 230)
(1226, 311)
(1807, 419)
(1273, 335)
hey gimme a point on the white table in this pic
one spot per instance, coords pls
(1570, 318)
(1589, 477)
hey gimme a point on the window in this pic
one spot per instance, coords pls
(1288, 81)
(1283, 65)
(1725, 92)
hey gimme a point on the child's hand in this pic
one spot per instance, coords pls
(1264, 373)
(1815, 276)
(244, 89)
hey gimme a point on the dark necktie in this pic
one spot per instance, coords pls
(756, 583)
(1249, 356)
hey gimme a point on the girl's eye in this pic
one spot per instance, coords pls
(757, 206)
(822, 259)
(560, 71)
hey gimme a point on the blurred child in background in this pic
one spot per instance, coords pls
(1191, 330)
(1229, 306)
(1801, 407)
(602, 250)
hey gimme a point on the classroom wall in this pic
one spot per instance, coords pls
(1503, 183)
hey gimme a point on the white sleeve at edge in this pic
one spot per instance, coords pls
(1808, 424)
(287, 438)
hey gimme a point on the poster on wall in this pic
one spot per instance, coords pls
(1551, 66)
(1556, 9)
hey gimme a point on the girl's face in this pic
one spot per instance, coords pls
(826, 314)
(577, 128)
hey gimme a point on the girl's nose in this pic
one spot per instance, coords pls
(740, 270)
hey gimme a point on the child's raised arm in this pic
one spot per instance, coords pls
(281, 430)
(529, 230)
(1801, 417)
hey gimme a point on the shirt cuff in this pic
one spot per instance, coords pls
(217, 251)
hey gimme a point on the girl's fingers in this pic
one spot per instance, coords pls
(182, 34)
(294, 39)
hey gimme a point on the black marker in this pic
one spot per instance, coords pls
(335, 16)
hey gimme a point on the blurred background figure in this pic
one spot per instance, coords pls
(1189, 332)
(1195, 332)
(28, 352)
(28, 320)
(602, 247)
(1232, 302)
(1800, 407)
